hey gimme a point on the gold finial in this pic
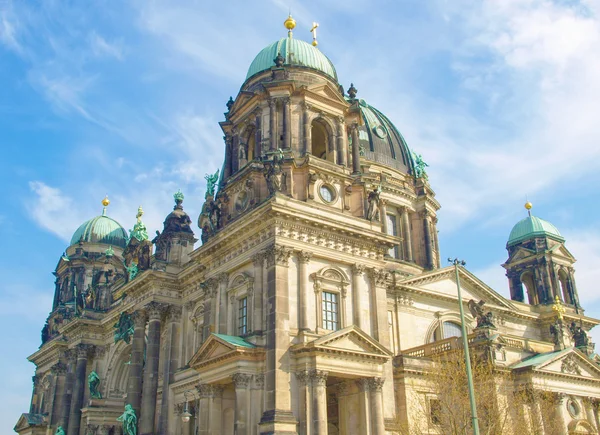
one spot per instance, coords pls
(528, 207)
(289, 24)
(558, 308)
(105, 203)
(314, 32)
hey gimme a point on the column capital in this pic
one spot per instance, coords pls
(174, 313)
(363, 384)
(70, 356)
(58, 369)
(278, 255)
(318, 377)
(258, 259)
(304, 256)
(241, 380)
(156, 310)
(223, 278)
(303, 377)
(259, 380)
(342, 388)
(272, 103)
(210, 287)
(379, 276)
(358, 269)
(208, 390)
(83, 350)
(139, 317)
(375, 384)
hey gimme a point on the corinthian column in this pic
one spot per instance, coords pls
(65, 405)
(303, 260)
(376, 399)
(357, 273)
(242, 404)
(303, 379)
(318, 380)
(407, 235)
(77, 399)
(272, 124)
(307, 127)
(258, 260)
(155, 312)
(171, 362)
(134, 380)
(341, 142)
(287, 124)
(355, 149)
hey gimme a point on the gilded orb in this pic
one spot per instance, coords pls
(315, 43)
(290, 23)
(528, 205)
(105, 201)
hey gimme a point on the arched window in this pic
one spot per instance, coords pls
(320, 139)
(563, 280)
(528, 282)
(446, 330)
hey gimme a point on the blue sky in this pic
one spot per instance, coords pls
(123, 98)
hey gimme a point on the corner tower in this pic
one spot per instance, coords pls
(539, 263)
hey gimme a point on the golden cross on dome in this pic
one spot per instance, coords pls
(314, 32)
(558, 308)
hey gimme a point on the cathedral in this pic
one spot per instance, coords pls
(310, 298)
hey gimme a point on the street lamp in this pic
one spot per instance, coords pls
(185, 417)
(456, 262)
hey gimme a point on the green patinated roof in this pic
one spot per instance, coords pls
(295, 52)
(101, 229)
(533, 226)
(236, 341)
(540, 359)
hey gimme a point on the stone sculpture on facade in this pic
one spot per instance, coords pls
(94, 385)
(124, 328)
(484, 320)
(373, 207)
(420, 166)
(59, 431)
(274, 175)
(211, 182)
(580, 337)
(129, 420)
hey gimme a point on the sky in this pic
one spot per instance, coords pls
(500, 97)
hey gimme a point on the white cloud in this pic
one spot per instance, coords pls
(101, 47)
(8, 31)
(584, 244)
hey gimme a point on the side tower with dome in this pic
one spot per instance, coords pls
(316, 303)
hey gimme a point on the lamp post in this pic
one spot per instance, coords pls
(186, 415)
(475, 421)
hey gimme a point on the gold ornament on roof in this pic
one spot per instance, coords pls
(558, 308)
(290, 24)
(105, 203)
(528, 205)
(313, 30)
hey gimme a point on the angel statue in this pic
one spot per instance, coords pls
(420, 166)
(129, 420)
(93, 384)
(211, 181)
(59, 431)
(484, 320)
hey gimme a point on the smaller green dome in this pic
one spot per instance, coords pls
(101, 229)
(531, 227)
(295, 52)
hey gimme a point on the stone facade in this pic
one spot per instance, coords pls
(313, 305)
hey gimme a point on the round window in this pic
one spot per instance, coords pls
(573, 408)
(327, 193)
(380, 131)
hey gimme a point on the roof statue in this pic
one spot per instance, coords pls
(484, 320)
(420, 166)
(558, 308)
(139, 229)
(211, 181)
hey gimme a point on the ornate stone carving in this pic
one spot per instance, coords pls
(258, 259)
(375, 384)
(318, 377)
(178, 408)
(363, 384)
(278, 255)
(343, 388)
(207, 390)
(259, 380)
(139, 317)
(156, 310)
(570, 366)
(223, 278)
(83, 350)
(91, 429)
(358, 269)
(303, 377)
(379, 276)
(304, 256)
(174, 314)
(58, 369)
(241, 380)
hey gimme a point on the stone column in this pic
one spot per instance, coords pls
(79, 388)
(228, 153)
(258, 260)
(589, 412)
(235, 151)
(65, 403)
(363, 406)
(272, 124)
(559, 417)
(287, 124)
(383, 212)
(342, 151)
(318, 380)
(211, 305)
(104, 429)
(256, 397)
(171, 363)
(203, 420)
(307, 128)
(210, 409)
(278, 416)
(342, 395)
(258, 133)
(222, 312)
(406, 234)
(134, 380)
(376, 399)
(58, 374)
(242, 403)
(357, 273)
(428, 240)
(230, 315)
(303, 260)
(150, 382)
(304, 414)
(355, 149)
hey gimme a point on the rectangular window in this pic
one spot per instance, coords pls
(392, 230)
(330, 306)
(243, 316)
(435, 411)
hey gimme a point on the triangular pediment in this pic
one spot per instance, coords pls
(560, 250)
(326, 91)
(520, 254)
(27, 421)
(351, 340)
(218, 347)
(442, 283)
(570, 362)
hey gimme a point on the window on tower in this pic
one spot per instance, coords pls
(392, 230)
(330, 304)
(319, 140)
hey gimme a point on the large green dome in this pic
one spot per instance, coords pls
(295, 52)
(531, 227)
(101, 229)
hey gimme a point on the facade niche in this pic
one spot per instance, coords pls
(320, 139)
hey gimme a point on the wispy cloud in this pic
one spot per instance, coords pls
(101, 47)
(8, 30)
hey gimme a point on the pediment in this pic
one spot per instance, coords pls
(520, 254)
(560, 250)
(217, 348)
(27, 421)
(442, 283)
(325, 90)
(570, 362)
(350, 341)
